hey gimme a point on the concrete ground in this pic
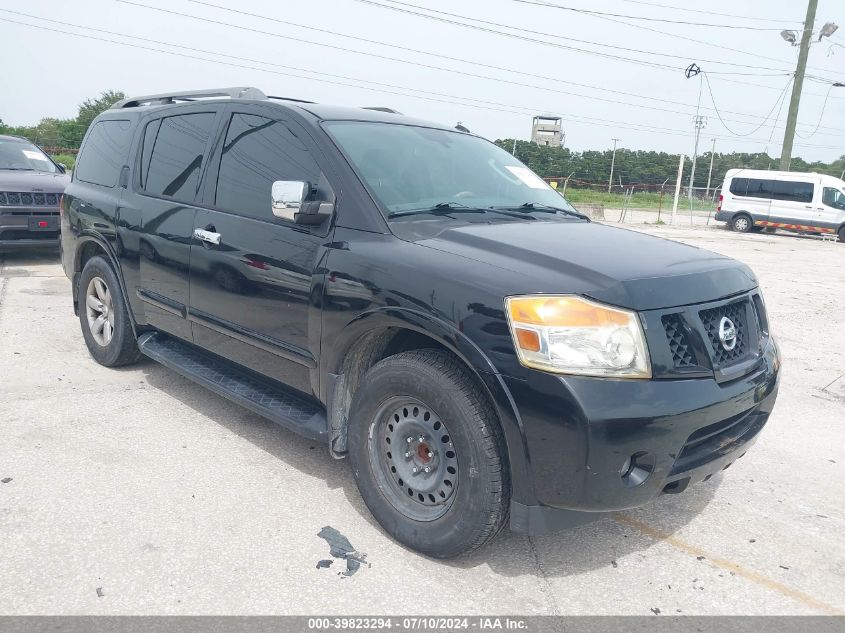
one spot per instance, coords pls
(134, 491)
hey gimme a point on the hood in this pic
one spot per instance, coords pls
(613, 265)
(28, 181)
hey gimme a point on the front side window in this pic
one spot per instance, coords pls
(257, 152)
(104, 153)
(20, 155)
(408, 167)
(833, 198)
(177, 155)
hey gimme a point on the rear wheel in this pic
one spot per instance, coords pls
(428, 455)
(104, 317)
(842, 234)
(742, 223)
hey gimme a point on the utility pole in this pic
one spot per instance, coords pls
(678, 188)
(710, 173)
(699, 123)
(612, 164)
(792, 116)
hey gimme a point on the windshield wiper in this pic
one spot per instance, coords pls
(535, 207)
(443, 208)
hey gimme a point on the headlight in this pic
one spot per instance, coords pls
(571, 335)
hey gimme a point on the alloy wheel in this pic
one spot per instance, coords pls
(99, 310)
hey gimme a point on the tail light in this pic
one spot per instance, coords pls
(719, 207)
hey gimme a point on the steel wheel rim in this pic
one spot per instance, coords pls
(99, 310)
(413, 458)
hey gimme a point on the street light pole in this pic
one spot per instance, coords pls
(710, 173)
(612, 164)
(792, 116)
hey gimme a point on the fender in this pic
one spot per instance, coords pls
(87, 236)
(448, 335)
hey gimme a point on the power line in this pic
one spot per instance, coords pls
(718, 114)
(482, 64)
(414, 63)
(821, 115)
(524, 30)
(648, 19)
(346, 78)
(703, 12)
(380, 5)
(413, 92)
(683, 37)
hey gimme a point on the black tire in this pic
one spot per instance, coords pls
(479, 499)
(842, 233)
(742, 223)
(121, 348)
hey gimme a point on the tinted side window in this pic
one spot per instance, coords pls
(150, 133)
(739, 186)
(258, 151)
(104, 153)
(177, 156)
(792, 191)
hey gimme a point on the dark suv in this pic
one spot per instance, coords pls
(30, 187)
(419, 300)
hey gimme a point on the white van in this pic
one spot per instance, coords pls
(754, 199)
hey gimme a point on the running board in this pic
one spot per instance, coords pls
(266, 399)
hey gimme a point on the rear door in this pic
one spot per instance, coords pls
(792, 201)
(161, 212)
(255, 295)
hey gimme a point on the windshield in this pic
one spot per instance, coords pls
(23, 156)
(408, 168)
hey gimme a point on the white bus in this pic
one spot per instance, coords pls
(754, 199)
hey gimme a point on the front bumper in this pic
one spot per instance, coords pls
(600, 445)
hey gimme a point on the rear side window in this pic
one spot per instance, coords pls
(104, 153)
(773, 189)
(177, 155)
(257, 152)
(739, 186)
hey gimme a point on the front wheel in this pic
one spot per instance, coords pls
(428, 455)
(742, 223)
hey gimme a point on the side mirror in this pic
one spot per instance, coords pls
(287, 197)
(289, 202)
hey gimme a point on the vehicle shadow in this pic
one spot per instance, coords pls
(14, 258)
(559, 554)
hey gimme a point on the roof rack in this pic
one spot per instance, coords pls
(289, 99)
(240, 92)
(381, 109)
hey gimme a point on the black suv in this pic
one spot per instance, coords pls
(30, 187)
(419, 300)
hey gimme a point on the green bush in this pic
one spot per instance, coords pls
(68, 160)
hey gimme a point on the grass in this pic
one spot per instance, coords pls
(639, 200)
(68, 160)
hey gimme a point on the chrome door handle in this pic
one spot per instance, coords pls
(207, 236)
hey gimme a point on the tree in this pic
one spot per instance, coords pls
(90, 108)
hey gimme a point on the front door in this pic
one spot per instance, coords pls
(254, 292)
(831, 213)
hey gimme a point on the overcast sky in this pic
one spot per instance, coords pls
(647, 105)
